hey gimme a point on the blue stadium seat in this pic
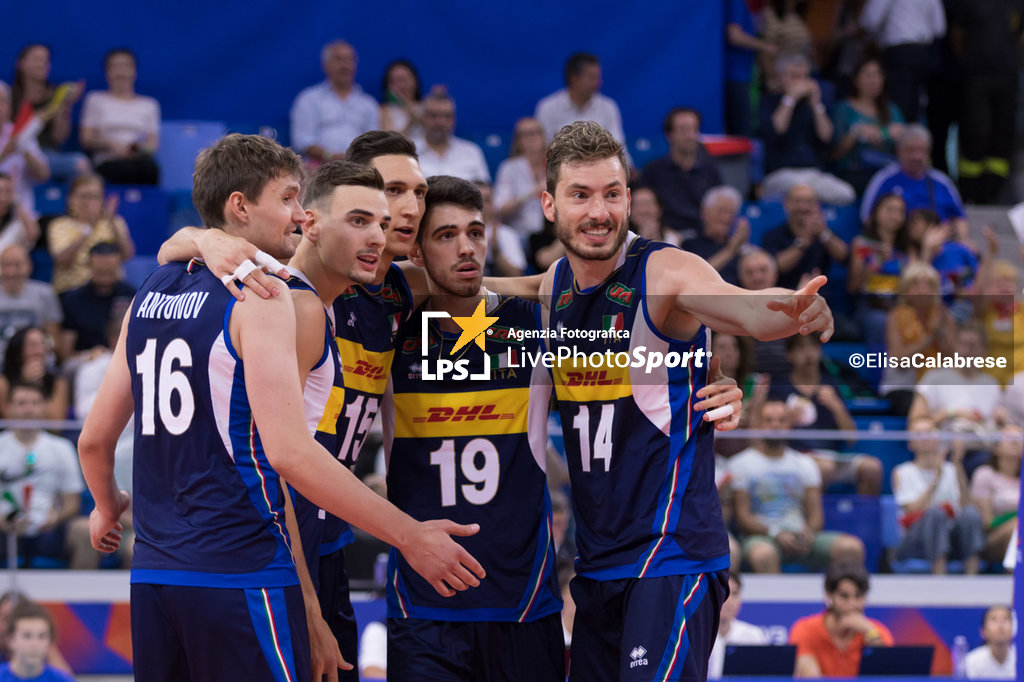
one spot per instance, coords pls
(763, 216)
(138, 268)
(495, 147)
(858, 515)
(180, 143)
(146, 210)
(890, 452)
(51, 198)
(643, 150)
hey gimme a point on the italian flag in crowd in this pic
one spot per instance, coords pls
(501, 360)
(613, 322)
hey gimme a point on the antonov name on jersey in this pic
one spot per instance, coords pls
(174, 307)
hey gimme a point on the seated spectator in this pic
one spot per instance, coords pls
(645, 218)
(580, 100)
(28, 360)
(1012, 400)
(327, 116)
(724, 232)
(522, 178)
(962, 399)
(777, 502)
(21, 159)
(402, 110)
(735, 355)
(867, 124)
(877, 257)
(803, 245)
(1000, 313)
(797, 130)
(17, 224)
(42, 480)
(934, 503)
(31, 639)
(440, 152)
(783, 27)
(88, 308)
(816, 404)
(829, 644)
(996, 659)
(24, 302)
(930, 241)
(90, 221)
(505, 257)
(681, 179)
(918, 184)
(52, 105)
(995, 491)
(758, 270)
(919, 323)
(732, 630)
(120, 127)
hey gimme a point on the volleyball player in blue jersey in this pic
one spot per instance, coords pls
(213, 582)
(652, 570)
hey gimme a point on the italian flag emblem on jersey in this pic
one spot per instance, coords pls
(613, 323)
(501, 360)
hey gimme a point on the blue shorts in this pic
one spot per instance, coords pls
(645, 629)
(198, 634)
(444, 651)
(336, 608)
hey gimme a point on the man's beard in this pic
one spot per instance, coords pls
(565, 235)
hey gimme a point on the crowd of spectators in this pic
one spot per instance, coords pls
(844, 115)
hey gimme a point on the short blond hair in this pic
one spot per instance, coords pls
(917, 272)
(581, 142)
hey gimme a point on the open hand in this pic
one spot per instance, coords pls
(808, 307)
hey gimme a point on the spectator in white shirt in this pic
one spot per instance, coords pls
(522, 178)
(327, 116)
(120, 127)
(732, 630)
(996, 659)
(934, 503)
(440, 152)
(580, 100)
(21, 159)
(905, 30)
(505, 255)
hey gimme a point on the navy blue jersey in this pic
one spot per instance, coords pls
(208, 507)
(367, 319)
(474, 451)
(323, 395)
(641, 461)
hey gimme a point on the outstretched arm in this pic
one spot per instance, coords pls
(698, 290)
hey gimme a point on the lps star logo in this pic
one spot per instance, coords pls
(637, 654)
(474, 329)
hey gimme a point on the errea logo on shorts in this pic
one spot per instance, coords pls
(637, 654)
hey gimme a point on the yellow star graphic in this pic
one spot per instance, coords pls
(473, 327)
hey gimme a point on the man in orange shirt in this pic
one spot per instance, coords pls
(829, 644)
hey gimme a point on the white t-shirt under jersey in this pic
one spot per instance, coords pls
(740, 632)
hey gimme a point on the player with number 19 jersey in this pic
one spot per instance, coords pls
(208, 508)
(641, 461)
(474, 452)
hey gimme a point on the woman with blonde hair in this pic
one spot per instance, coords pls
(918, 323)
(522, 178)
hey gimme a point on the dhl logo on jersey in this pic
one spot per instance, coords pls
(365, 370)
(579, 383)
(474, 413)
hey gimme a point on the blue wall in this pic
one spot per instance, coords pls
(245, 64)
